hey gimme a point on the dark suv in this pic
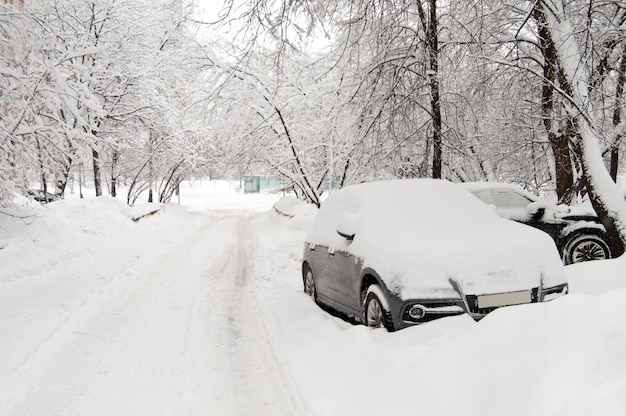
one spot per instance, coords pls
(579, 236)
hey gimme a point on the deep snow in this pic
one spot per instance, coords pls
(199, 310)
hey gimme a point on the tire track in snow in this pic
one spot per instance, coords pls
(180, 334)
(256, 382)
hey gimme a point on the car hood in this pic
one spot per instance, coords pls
(487, 261)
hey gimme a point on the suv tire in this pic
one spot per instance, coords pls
(585, 247)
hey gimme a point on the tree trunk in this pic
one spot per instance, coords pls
(603, 193)
(150, 196)
(67, 161)
(429, 25)
(617, 115)
(433, 53)
(310, 192)
(151, 149)
(61, 183)
(560, 145)
(614, 162)
(96, 172)
(559, 142)
(598, 182)
(80, 180)
(114, 161)
(42, 173)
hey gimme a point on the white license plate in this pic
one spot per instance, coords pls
(504, 299)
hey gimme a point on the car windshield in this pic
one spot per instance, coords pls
(505, 199)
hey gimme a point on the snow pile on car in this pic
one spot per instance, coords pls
(423, 233)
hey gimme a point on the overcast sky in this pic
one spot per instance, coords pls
(210, 8)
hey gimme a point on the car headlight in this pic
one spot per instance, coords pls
(424, 311)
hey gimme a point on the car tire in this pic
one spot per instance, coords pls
(308, 281)
(585, 247)
(374, 312)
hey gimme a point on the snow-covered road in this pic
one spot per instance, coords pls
(177, 330)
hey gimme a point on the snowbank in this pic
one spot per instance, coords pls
(597, 277)
(566, 357)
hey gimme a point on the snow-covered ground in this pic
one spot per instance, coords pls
(199, 309)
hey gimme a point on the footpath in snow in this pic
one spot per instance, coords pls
(113, 317)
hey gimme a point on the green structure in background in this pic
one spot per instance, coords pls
(256, 184)
(251, 184)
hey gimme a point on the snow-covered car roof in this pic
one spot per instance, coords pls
(421, 233)
(493, 185)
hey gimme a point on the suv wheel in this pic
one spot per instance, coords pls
(309, 283)
(375, 314)
(586, 247)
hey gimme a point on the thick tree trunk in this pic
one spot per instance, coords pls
(559, 141)
(560, 145)
(617, 115)
(603, 193)
(605, 200)
(614, 162)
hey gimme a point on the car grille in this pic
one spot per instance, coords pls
(472, 303)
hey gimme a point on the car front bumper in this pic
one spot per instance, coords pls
(418, 311)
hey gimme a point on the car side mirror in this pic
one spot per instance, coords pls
(347, 227)
(536, 210)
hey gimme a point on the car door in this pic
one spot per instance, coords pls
(344, 278)
(321, 266)
(327, 266)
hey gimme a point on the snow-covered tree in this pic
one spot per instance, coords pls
(83, 80)
(16, 89)
(574, 55)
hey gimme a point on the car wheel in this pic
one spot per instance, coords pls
(375, 314)
(586, 247)
(309, 284)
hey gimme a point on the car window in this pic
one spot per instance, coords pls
(485, 196)
(506, 199)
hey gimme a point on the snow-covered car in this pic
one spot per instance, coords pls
(400, 253)
(40, 195)
(577, 233)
